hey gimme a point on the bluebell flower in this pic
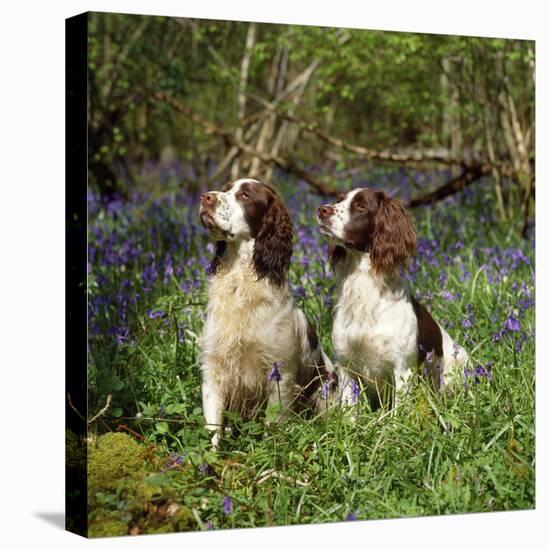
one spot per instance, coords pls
(355, 391)
(227, 505)
(498, 335)
(325, 390)
(206, 470)
(512, 324)
(455, 350)
(175, 460)
(518, 346)
(447, 295)
(468, 322)
(275, 371)
(155, 314)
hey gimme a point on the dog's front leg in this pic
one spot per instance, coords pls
(213, 406)
(402, 376)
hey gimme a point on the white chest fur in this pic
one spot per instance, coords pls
(249, 325)
(375, 328)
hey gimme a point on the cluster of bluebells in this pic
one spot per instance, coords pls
(151, 244)
(480, 372)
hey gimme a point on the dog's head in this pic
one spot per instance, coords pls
(370, 221)
(248, 209)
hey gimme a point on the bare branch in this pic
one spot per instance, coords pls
(320, 186)
(455, 185)
(103, 410)
(358, 150)
(100, 413)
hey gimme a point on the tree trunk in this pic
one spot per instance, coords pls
(241, 97)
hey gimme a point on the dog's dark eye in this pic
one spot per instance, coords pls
(244, 195)
(361, 206)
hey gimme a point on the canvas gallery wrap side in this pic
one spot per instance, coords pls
(300, 274)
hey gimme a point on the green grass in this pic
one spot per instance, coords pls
(467, 449)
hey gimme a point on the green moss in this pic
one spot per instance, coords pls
(126, 496)
(107, 528)
(113, 457)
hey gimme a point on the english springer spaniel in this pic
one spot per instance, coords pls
(380, 331)
(256, 345)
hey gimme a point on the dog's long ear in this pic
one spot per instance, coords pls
(393, 236)
(273, 243)
(220, 247)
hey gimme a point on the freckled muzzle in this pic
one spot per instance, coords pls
(213, 213)
(208, 204)
(324, 215)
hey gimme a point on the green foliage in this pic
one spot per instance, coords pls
(112, 457)
(470, 448)
(377, 88)
(129, 493)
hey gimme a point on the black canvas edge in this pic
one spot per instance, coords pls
(76, 179)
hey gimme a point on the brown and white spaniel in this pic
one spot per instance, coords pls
(380, 331)
(256, 345)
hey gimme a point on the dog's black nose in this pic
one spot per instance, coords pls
(325, 211)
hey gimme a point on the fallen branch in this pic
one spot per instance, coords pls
(358, 150)
(466, 178)
(99, 414)
(320, 186)
(470, 173)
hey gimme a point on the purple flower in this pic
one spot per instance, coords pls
(447, 295)
(455, 350)
(351, 516)
(512, 324)
(497, 336)
(355, 391)
(227, 504)
(206, 470)
(480, 371)
(122, 335)
(168, 269)
(275, 371)
(469, 321)
(299, 292)
(155, 314)
(174, 461)
(150, 274)
(518, 346)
